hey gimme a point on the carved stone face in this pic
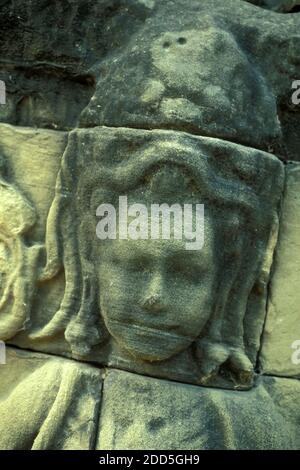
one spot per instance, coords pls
(155, 296)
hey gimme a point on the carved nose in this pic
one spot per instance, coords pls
(154, 296)
(154, 303)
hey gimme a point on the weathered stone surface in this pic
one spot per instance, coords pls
(47, 50)
(279, 351)
(171, 64)
(29, 163)
(156, 414)
(205, 323)
(208, 70)
(47, 402)
(31, 159)
(197, 97)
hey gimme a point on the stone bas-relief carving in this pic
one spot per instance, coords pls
(46, 51)
(151, 305)
(30, 160)
(155, 64)
(189, 91)
(158, 414)
(48, 403)
(18, 262)
(209, 70)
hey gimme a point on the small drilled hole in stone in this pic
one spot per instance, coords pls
(181, 40)
(166, 44)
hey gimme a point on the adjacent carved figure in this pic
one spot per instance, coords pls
(18, 260)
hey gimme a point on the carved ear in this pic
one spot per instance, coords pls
(212, 356)
(240, 365)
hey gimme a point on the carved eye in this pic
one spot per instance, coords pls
(189, 272)
(138, 266)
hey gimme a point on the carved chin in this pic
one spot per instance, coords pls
(147, 344)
